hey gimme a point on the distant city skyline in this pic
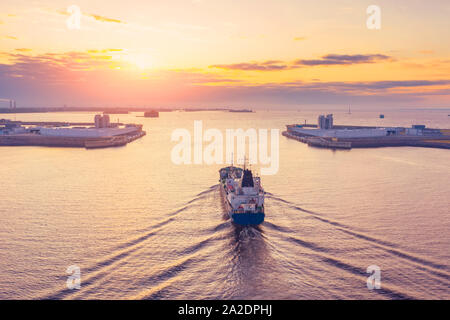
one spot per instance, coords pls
(211, 53)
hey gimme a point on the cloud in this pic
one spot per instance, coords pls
(73, 66)
(330, 59)
(270, 65)
(104, 19)
(361, 87)
(299, 38)
(24, 49)
(295, 93)
(11, 37)
(104, 50)
(94, 16)
(91, 78)
(364, 88)
(380, 85)
(54, 67)
(337, 59)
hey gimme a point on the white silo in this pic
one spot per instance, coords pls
(98, 121)
(106, 121)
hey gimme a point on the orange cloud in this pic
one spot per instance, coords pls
(58, 63)
(271, 65)
(327, 60)
(104, 50)
(93, 77)
(343, 59)
(94, 16)
(104, 19)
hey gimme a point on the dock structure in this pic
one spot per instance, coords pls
(346, 137)
(54, 123)
(319, 142)
(65, 134)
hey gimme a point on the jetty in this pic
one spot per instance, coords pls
(100, 134)
(328, 135)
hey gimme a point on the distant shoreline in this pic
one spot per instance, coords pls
(110, 110)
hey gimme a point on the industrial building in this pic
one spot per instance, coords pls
(102, 128)
(327, 134)
(101, 133)
(326, 129)
(102, 121)
(325, 122)
(84, 132)
(8, 127)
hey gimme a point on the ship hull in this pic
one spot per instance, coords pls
(247, 219)
(242, 219)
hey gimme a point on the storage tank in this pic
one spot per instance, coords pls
(106, 121)
(98, 120)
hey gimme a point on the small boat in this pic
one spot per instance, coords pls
(151, 114)
(241, 110)
(243, 195)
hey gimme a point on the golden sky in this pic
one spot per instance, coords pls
(208, 52)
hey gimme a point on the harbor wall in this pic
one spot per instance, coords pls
(342, 133)
(373, 142)
(69, 142)
(38, 140)
(86, 132)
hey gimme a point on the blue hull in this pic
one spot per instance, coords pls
(247, 219)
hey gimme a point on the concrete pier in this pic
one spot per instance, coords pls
(442, 142)
(350, 136)
(67, 134)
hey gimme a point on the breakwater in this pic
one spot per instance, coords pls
(30, 139)
(442, 142)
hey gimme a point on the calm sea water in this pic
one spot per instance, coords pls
(140, 227)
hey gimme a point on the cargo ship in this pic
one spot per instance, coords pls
(243, 195)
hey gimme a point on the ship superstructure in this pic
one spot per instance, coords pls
(243, 195)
